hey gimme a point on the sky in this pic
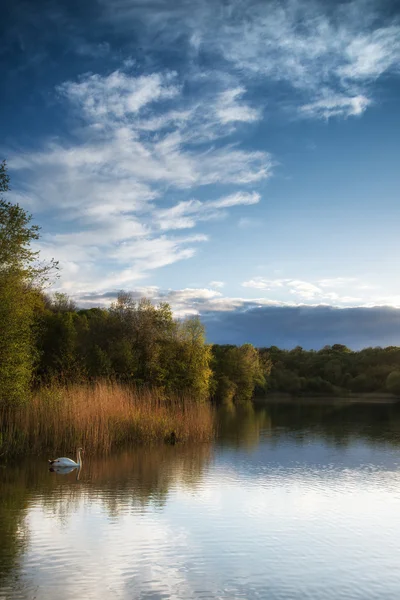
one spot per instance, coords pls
(236, 158)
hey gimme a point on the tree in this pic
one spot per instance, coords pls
(141, 330)
(238, 370)
(61, 302)
(194, 358)
(21, 277)
(393, 382)
(333, 371)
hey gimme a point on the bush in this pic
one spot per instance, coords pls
(393, 383)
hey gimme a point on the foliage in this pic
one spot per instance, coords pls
(131, 342)
(393, 382)
(21, 276)
(334, 370)
(17, 349)
(238, 370)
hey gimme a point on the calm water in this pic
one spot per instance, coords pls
(290, 503)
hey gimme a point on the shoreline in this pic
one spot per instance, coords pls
(360, 399)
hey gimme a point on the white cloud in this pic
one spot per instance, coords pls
(217, 284)
(187, 214)
(118, 95)
(127, 261)
(303, 289)
(174, 118)
(308, 44)
(234, 166)
(239, 198)
(261, 283)
(371, 54)
(336, 282)
(336, 106)
(337, 291)
(229, 109)
(301, 43)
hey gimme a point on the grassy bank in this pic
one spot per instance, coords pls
(100, 418)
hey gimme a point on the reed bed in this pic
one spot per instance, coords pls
(100, 418)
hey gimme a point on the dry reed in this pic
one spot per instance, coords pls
(99, 418)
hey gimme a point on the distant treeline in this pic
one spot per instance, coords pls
(334, 370)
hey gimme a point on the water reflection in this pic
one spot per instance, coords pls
(66, 470)
(292, 502)
(241, 426)
(338, 423)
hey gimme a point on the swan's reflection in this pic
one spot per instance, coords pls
(66, 470)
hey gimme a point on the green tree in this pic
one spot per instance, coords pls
(21, 277)
(195, 358)
(238, 370)
(333, 371)
(141, 330)
(393, 383)
(58, 346)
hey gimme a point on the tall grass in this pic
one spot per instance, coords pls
(99, 418)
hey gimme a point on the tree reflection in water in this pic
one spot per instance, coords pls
(241, 426)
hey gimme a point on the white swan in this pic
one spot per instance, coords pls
(68, 462)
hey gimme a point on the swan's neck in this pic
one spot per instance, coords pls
(78, 458)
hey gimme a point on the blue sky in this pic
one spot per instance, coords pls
(228, 156)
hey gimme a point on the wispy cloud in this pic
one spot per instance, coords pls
(331, 105)
(230, 109)
(339, 291)
(217, 284)
(108, 179)
(239, 198)
(301, 43)
(118, 95)
(187, 214)
(309, 45)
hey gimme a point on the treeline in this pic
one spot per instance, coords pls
(135, 342)
(131, 342)
(334, 370)
(138, 343)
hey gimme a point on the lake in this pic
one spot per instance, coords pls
(293, 501)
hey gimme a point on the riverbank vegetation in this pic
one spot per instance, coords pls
(101, 417)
